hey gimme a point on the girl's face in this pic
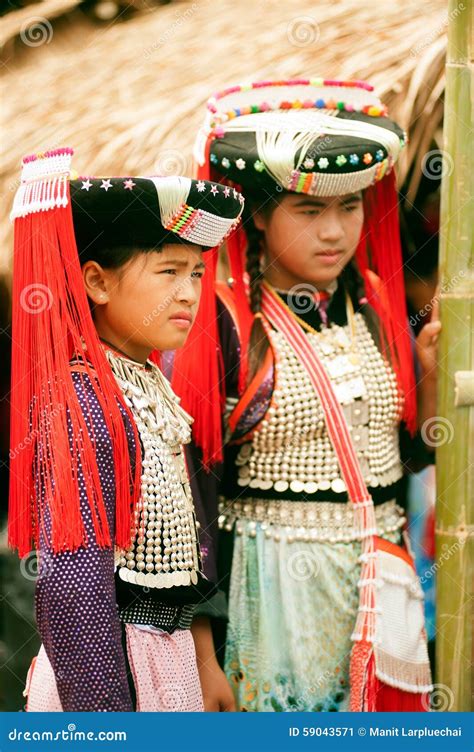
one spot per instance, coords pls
(148, 303)
(309, 239)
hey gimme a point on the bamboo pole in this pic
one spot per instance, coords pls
(455, 455)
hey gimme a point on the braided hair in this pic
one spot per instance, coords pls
(258, 342)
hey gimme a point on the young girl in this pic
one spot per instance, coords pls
(324, 609)
(106, 272)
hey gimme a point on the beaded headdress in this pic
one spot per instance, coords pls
(320, 137)
(56, 216)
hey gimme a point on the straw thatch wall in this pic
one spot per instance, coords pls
(128, 96)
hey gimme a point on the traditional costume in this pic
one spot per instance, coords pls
(325, 610)
(98, 439)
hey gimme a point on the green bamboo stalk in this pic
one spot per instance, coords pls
(455, 456)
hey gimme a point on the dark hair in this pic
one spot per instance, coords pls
(258, 342)
(112, 257)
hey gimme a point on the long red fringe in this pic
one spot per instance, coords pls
(50, 443)
(380, 251)
(370, 695)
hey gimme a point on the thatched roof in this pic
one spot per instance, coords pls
(129, 96)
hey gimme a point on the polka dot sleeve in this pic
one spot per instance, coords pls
(76, 609)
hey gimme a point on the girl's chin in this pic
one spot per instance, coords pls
(171, 342)
(325, 277)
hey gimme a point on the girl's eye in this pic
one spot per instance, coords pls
(350, 207)
(168, 271)
(198, 275)
(311, 212)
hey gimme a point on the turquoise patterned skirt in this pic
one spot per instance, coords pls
(292, 610)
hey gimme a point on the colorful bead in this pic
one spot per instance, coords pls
(374, 111)
(341, 160)
(330, 104)
(379, 155)
(323, 162)
(258, 165)
(240, 164)
(308, 163)
(225, 163)
(213, 158)
(353, 159)
(367, 158)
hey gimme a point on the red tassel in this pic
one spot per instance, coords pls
(51, 321)
(380, 251)
(393, 700)
(197, 370)
(362, 674)
(370, 695)
(236, 249)
(196, 377)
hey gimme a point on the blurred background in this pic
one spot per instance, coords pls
(125, 84)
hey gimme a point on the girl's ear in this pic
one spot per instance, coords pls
(259, 221)
(95, 281)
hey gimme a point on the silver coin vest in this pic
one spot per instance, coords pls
(291, 450)
(164, 549)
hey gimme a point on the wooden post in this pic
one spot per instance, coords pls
(455, 454)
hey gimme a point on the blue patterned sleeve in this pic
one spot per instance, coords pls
(76, 608)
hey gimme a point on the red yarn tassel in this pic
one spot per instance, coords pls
(370, 695)
(50, 441)
(236, 249)
(196, 374)
(393, 700)
(380, 251)
(197, 370)
(362, 675)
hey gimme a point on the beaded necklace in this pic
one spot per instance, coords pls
(164, 549)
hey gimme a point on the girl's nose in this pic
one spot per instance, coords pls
(330, 226)
(186, 292)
